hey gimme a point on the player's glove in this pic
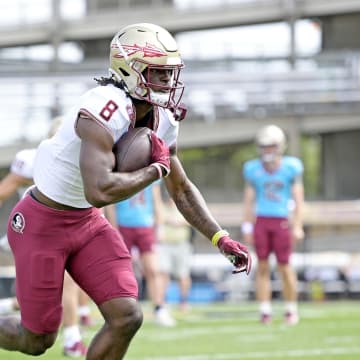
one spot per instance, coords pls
(160, 155)
(234, 251)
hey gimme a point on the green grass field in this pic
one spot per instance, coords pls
(327, 331)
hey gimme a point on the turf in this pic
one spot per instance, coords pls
(327, 331)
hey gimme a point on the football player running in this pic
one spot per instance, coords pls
(58, 225)
(273, 192)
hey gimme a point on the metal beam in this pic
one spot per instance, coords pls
(106, 23)
(203, 134)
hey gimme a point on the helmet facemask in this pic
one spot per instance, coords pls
(165, 95)
(269, 156)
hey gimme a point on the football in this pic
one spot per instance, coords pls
(133, 150)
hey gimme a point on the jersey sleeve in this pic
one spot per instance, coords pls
(109, 107)
(23, 163)
(297, 166)
(248, 171)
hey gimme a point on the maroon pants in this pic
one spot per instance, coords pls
(273, 234)
(46, 241)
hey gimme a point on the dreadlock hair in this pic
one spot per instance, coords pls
(103, 81)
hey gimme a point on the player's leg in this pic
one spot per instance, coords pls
(146, 239)
(40, 270)
(184, 285)
(123, 317)
(151, 273)
(143, 238)
(181, 270)
(7, 305)
(15, 337)
(164, 278)
(84, 311)
(165, 266)
(263, 290)
(263, 271)
(102, 266)
(73, 345)
(289, 280)
(283, 250)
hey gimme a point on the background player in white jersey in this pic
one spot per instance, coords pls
(18, 180)
(273, 183)
(175, 252)
(58, 225)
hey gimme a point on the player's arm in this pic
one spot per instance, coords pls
(102, 186)
(192, 205)
(247, 225)
(298, 213)
(11, 183)
(189, 200)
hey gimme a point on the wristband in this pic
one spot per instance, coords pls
(158, 169)
(247, 227)
(216, 237)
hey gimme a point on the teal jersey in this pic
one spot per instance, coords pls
(138, 210)
(273, 190)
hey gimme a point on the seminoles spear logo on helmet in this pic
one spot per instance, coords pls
(148, 50)
(135, 51)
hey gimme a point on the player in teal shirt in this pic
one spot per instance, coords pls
(273, 189)
(137, 219)
(273, 203)
(137, 211)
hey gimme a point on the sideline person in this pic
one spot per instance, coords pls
(175, 253)
(58, 226)
(138, 220)
(273, 192)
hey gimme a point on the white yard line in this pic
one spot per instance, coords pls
(301, 353)
(166, 334)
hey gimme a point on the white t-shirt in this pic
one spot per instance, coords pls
(56, 170)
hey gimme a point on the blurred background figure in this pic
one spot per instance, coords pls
(174, 252)
(18, 180)
(273, 192)
(137, 219)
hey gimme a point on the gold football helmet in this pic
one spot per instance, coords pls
(140, 48)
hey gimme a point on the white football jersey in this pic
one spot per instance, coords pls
(57, 171)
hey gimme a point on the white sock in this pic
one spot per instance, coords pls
(291, 307)
(84, 310)
(265, 308)
(71, 335)
(6, 306)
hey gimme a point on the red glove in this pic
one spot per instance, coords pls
(237, 254)
(160, 155)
